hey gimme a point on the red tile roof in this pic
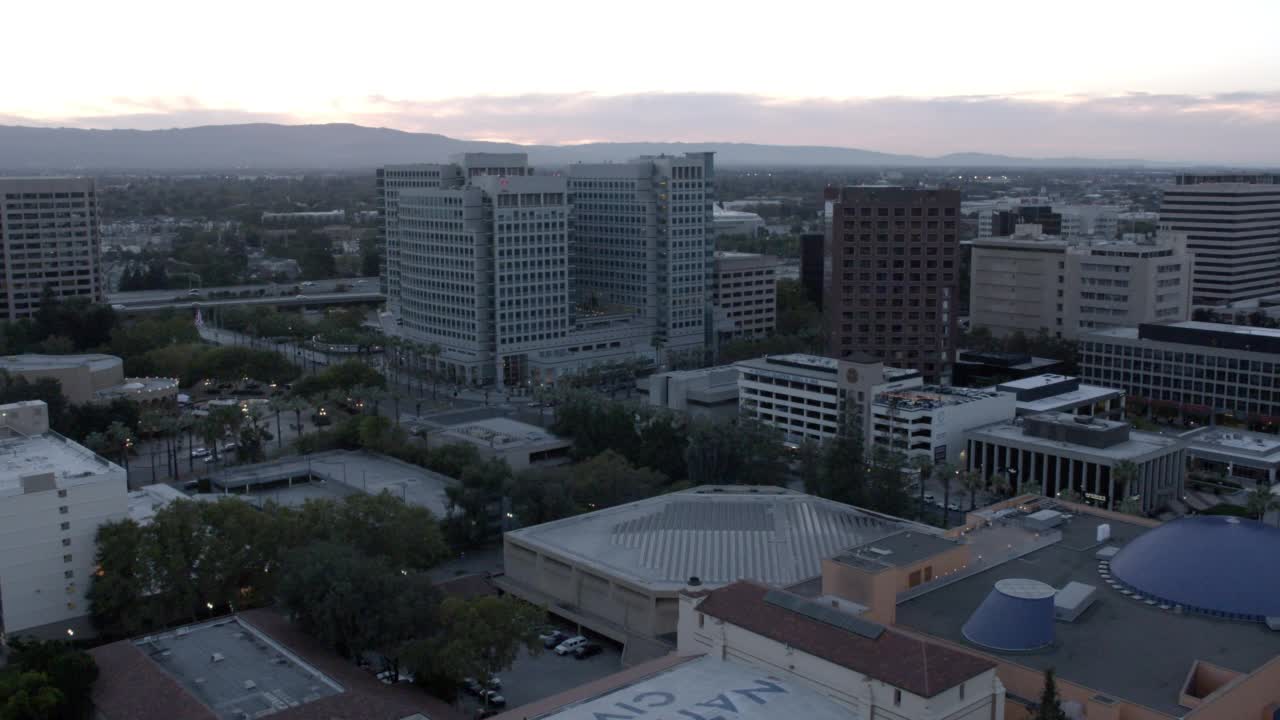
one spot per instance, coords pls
(923, 668)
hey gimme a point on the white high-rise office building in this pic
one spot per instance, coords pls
(50, 237)
(643, 239)
(1232, 223)
(54, 494)
(521, 278)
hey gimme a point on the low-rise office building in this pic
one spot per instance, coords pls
(54, 494)
(1062, 394)
(620, 570)
(1055, 452)
(980, 368)
(812, 398)
(930, 421)
(1066, 286)
(704, 393)
(521, 445)
(1249, 458)
(745, 294)
(91, 378)
(1190, 368)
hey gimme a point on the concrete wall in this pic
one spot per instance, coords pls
(1255, 696)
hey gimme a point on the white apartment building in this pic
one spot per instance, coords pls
(859, 667)
(930, 421)
(745, 294)
(54, 494)
(1232, 225)
(1068, 286)
(50, 237)
(811, 398)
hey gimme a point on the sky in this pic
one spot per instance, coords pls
(1168, 80)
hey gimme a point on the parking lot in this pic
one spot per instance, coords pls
(535, 677)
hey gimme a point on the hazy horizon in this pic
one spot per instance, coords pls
(1141, 80)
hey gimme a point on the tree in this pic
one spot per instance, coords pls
(972, 482)
(1050, 707)
(1000, 484)
(334, 592)
(541, 495)
(71, 672)
(1260, 501)
(946, 474)
(33, 697)
(888, 492)
(484, 636)
(475, 502)
(116, 593)
(923, 465)
(843, 475)
(1124, 474)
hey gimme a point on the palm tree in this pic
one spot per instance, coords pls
(277, 406)
(946, 474)
(1123, 475)
(1001, 485)
(433, 351)
(924, 465)
(1259, 502)
(972, 482)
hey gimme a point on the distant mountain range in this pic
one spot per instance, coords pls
(263, 146)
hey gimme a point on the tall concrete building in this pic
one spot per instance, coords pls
(486, 260)
(745, 294)
(1232, 223)
(1068, 286)
(812, 254)
(53, 496)
(643, 238)
(50, 238)
(894, 255)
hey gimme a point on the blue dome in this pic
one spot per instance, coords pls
(1221, 566)
(1016, 616)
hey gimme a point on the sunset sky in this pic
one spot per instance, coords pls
(1170, 80)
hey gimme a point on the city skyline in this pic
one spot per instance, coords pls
(1115, 84)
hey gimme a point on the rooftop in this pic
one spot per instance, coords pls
(1013, 361)
(146, 501)
(70, 463)
(1139, 444)
(32, 361)
(717, 534)
(896, 550)
(799, 364)
(1228, 328)
(689, 688)
(919, 667)
(235, 670)
(930, 397)
(501, 433)
(1239, 443)
(1083, 395)
(1120, 646)
(353, 470)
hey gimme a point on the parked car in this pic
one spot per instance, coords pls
(552, 638)
(494, 698)
(570, 645)
(930, 498)
(193, 291)
(200, 452)
(953, 507)
(585, 651)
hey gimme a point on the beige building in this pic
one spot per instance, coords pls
(745, 294)
(1067, 286)
(54, 494)
(50, 238)
(91, 378)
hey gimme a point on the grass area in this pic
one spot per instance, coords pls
(1227, 509)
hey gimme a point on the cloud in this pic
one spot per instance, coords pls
(1239, 127)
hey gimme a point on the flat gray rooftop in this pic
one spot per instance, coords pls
(1119, 646)
(357, 470)
(235, 670)
(1139, 445)
(719, 534)
(896, 550)
(70, 463)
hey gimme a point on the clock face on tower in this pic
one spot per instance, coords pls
(851, 375)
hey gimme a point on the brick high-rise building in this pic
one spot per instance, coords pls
(894, 290)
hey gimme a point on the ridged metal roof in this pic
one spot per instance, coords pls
(719, 536)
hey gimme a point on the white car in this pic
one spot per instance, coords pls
(570, 645)
(953, 507)
(200, 452)
(308, 284)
